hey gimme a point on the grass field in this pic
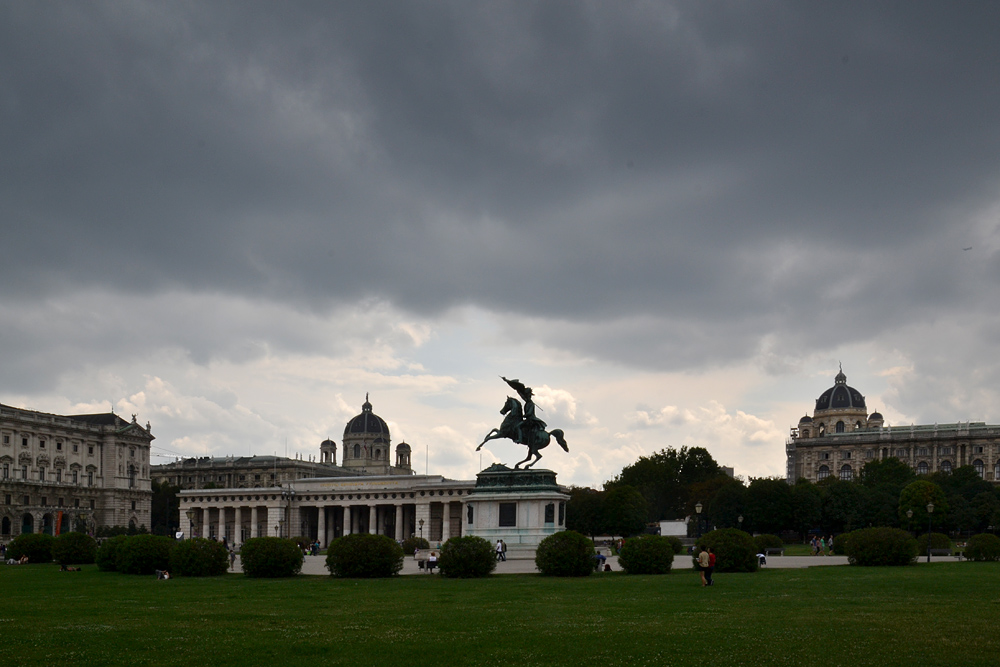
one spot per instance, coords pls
(939, 614)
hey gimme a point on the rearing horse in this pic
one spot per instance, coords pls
(512, 428)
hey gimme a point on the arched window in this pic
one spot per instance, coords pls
(805, 433)
(922, 468)
(840, 427)
(378, 454)
(823, 472)
(822, 430)
(980, 468)
(357, 451)
(857, 426)
(946, 466)
(846, 473)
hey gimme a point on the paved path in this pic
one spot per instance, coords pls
(316, 565)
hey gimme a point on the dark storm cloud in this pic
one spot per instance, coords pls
(729, 167)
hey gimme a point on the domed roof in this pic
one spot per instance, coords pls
(876, 416)
(805, 418)
(402, 447)
(366, 422)
(840, 396)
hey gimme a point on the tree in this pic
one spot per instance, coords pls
(769, 505)
(165, 510)
(585, 511)
(915, 497)
(625, 511)
(842, 505)
(728, 504)
(664, 479)
(807, 506)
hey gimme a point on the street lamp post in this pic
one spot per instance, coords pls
(697, 510)
(930, 510)
(740, 520)
(190, 516)
(909, 520)
(421, 522)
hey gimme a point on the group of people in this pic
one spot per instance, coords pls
(821, 546)
(706, 566)
(501, 549)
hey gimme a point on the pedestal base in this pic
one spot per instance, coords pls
(520, 507)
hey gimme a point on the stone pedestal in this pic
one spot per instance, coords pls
(520, 507)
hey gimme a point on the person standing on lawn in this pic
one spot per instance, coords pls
(703, 561)
(711, 567)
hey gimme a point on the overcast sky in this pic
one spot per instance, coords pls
(672, 219)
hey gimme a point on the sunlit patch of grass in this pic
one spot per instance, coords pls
(936, 614)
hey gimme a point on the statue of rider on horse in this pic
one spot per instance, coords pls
(521, 425)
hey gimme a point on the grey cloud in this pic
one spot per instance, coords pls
(585, 162)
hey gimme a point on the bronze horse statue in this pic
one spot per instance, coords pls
(529, 431)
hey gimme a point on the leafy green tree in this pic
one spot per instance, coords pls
(769, 504)
(915, 497)
(625, 511)
(165, 510)
(891, 473)
(665, 477)
(964, 481)
(728, 504)
(807, 506)
(585, 511)
(842, 505)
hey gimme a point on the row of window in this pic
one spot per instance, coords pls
(903, 453)
(847, 473)
(26, 500)
(42, 444)
(73, 476)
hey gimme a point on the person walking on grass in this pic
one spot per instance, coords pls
(703, 561)
(711, 567)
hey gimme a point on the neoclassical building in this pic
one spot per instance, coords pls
(370, 494)
(78, 471)
(841, 436)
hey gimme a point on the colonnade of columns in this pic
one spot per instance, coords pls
(436, 521)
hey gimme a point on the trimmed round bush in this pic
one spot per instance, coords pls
(840, 544)
(364, 556)
(937, 540)
(764, 542)
(881, 546)
(270, 557)
(734, 549)
(107, 553)
(983, 547)
(36, 546)
(74, 549)
(467, 557)
(198, 557)
(565, 554)
(647, 554)
(144, 554)
(412, 543)
(675, 544)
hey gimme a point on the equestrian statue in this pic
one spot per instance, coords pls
(521, 425)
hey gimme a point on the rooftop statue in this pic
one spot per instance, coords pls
(521, 425)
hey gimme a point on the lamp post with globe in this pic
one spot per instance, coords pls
(697, 510)
(930, 510)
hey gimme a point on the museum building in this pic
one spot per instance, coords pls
(841, 436)
(59, 473)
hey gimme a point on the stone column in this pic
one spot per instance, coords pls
(445, 521)
(254, 531)
(422, 511)
(399, 523)
(185, 524)
(372, 520)
(321, 525)
(347, 520)
(275, 514)
(238, 526)
(221, 530)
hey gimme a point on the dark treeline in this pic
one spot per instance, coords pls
(672, 482)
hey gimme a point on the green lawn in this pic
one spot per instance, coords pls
(939, 614)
